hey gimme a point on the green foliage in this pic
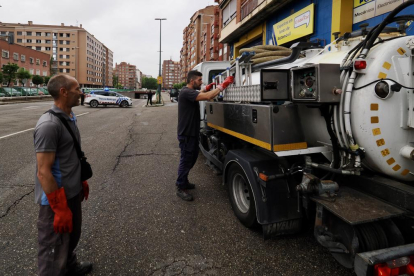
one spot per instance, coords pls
(9, 72)
(115, 81)
(179, 85)
(1, 77)
(149, 83)
(37, 80)
(23, 74)
(46, 80)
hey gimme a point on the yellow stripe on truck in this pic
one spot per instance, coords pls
(242, 136)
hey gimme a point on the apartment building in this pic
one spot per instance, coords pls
(200, 39)
(74, 50)
(170, 73)
(37, 63)
(126, 74)
(139, 79)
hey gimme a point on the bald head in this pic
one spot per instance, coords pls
(57, 82)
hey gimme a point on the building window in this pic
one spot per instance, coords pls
(44, 63)
(31, 60)
(31, 71)
(19, 33)
(38, 41)
(44, 73)
(15, 56)
(47, 41)
(19, 40)
(28, 33)
(23, 58)
(28, 40)
(47, 48)
(37, 61)
(5, 54)
(38, 34)
(38, 48)
(47, 34)
(37, 72)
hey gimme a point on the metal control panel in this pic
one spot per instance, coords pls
(316, 83)
(275, 84)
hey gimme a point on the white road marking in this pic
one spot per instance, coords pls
(16, 133)
(31, 107)
(2, 137)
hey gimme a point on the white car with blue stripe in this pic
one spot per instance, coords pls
(101, 97)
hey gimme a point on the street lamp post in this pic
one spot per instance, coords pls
(159, 71)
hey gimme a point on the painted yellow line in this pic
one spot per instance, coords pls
(243, 137)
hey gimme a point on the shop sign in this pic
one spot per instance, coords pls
(297, 25)
(366, 9)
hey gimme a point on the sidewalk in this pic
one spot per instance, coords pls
(164, 97)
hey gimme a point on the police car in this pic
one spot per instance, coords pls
(102, 97)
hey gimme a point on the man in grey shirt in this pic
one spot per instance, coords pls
(59, 189)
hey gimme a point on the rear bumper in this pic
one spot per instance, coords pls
(364, 262)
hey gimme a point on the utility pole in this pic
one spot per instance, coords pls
(159, 79)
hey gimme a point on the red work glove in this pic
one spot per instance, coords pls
(229, 80)
(63, 215)
(85, 188)
(208, 87)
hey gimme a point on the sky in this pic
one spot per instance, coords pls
(127, 27)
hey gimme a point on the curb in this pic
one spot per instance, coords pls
(24, 99)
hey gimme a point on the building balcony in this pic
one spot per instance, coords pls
(253, 13)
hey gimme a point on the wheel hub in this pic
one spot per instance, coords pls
(241, 193)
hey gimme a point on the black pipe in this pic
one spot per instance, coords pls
(296, 49)
(384, 23)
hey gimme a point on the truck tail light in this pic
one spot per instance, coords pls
(360, 64)
(263, 177)
(401, 266)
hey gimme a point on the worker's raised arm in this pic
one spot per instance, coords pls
(213, 93)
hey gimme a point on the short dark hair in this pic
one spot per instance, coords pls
(192, 75)
(57, 82)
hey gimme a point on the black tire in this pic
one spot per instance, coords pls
(241, 196)
(93, 103)
(123, 104)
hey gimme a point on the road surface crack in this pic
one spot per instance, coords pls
(15, 203)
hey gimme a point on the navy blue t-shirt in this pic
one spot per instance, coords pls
(188, 113)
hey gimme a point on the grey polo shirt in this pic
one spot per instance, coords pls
(51, 135)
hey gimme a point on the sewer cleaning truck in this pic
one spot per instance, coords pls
(322, 138)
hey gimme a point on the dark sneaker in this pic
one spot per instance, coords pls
(81, 268)
(184, 195)
(189, 186)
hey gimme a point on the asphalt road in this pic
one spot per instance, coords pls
(134, 224)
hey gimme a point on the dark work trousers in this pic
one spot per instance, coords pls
(189, 154)
(82, 98)
(149, 100)
(56, 251)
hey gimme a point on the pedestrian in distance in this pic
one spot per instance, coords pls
(188, 128)
(149, 100)
(83, 96)
(58, 187)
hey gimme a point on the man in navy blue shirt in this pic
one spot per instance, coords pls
(188, 128)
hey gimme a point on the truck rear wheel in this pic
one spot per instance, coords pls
(241, 196)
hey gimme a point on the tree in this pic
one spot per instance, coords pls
(179, 85)
(115, 81)
(37, 80)
(1, 78)
(46, 80)
(23, 74)
(149, 83)
(9, 72)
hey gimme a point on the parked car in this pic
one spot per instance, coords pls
(10, 92)
(101, 97)
(44, 91)
(26, 91)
